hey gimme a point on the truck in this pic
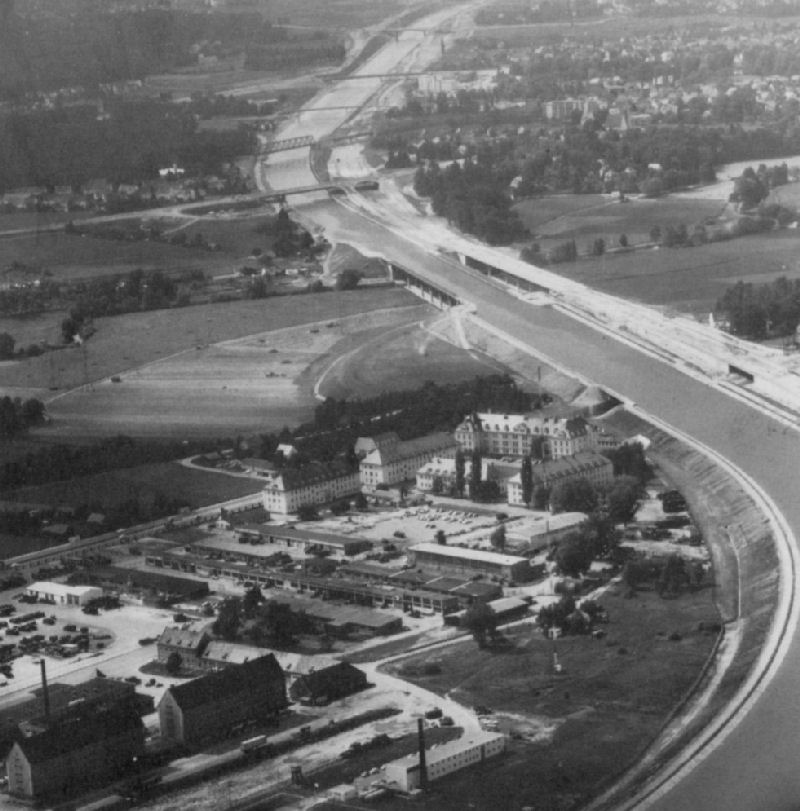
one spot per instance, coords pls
(254, 744)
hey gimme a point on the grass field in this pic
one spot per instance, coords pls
(689, 279)
(593, 720)
(194, 487)
(583, 217)
(69, 256)
(127, 341)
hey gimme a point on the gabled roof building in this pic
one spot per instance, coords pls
(328, 684)
(310, 485)
(215, 705)
(77, 751)
(392, 461)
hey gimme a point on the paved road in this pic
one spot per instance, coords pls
(753, 768)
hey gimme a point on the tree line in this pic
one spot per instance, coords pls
(18, 415)
(57, 462)
(761, 310)
(128, 144)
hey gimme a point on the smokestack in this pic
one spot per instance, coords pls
(45, 692)
(423, 766)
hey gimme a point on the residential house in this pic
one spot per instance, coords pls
(189, 645)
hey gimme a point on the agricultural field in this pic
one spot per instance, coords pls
(327, 14)
(583, 217)
(617, 690)
(70, 256)
(267, 380)
(128, 341)
(688, 279)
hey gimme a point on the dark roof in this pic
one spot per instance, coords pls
(75, 732)
(250, 677)
(92, 692)
(326, 680)
(314, 473)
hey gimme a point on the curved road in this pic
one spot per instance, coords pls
(752, 769)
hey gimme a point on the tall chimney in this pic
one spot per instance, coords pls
(45, 692)
(423, 766)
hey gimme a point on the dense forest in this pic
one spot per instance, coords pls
(64, 48)
(472, 197)
(70, 146)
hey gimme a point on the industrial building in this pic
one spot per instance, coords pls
(537, 531)
(75, 752)
(406, 774)
(506, 609)
(328, 684)
(215, 705)
(62, 594)
(469, 561)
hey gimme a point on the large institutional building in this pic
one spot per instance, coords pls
(592, 466)
(551, 434)
(310, 486)
(458, 559)
(387, 460)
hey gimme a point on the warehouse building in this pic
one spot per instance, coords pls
(405, 773)
(465, 561)
(506, 609)
(214, 706)
(62, 594)
(328, 684)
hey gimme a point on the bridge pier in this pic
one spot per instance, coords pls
(439, 298)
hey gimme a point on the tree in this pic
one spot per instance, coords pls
(307, 512)
(574, 555)
(475, 473)
(622, 499)
(7, 343)
(577, 495)
(252, 599)
(541, 497)
(460, 482)
(480, 621)
(598, 247)
(440, 537)
(230, 615)
(673, 576)
(623, 240)
(348, 279)
(174, 663)
(498, 537)
(526, 480)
